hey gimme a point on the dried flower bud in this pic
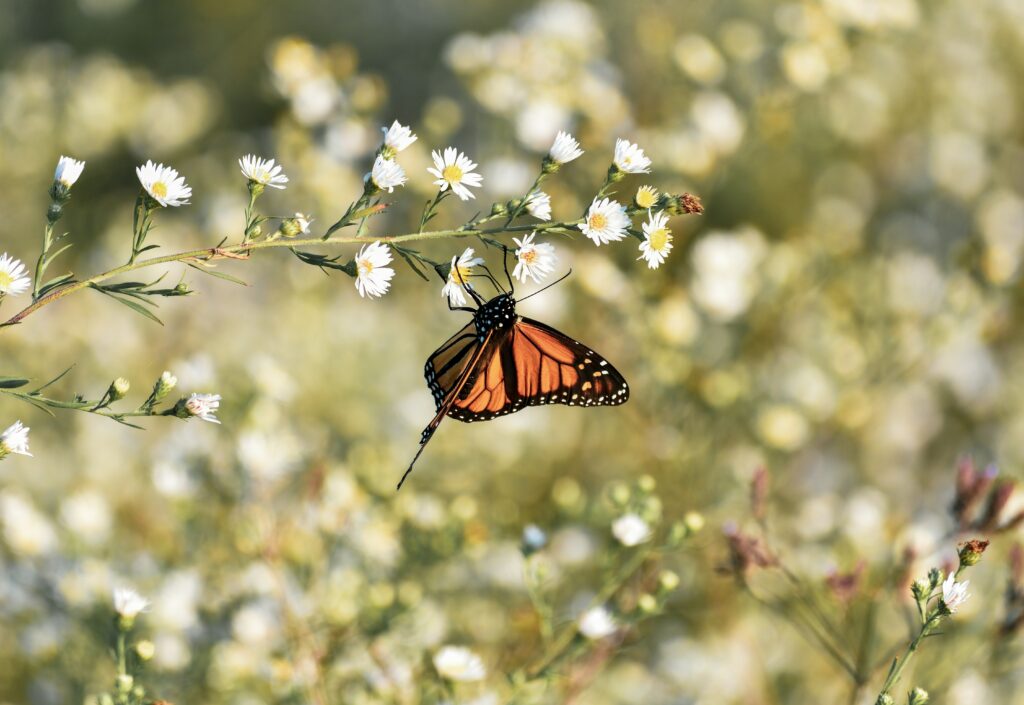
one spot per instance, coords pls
(682, 204)
(970, 551)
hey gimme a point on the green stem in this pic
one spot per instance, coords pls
(206, 254)
(41, 264)
(897, 669)
(88, 407)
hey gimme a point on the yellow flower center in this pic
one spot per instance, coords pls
(365, 267)
(646, 197)
(263, 176)
(158, 189)
(528, 256)
(460, 274)
(659, 238)
(597, 221)
(5, 281)
(452, 174)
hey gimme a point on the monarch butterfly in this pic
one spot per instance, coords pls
(501, 362)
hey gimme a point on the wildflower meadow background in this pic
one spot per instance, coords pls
(795, 227)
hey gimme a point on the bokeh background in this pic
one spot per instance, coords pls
(847, 311)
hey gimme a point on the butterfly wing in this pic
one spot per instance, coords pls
(449, 361)
(532, 364)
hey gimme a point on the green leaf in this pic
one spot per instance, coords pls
(12, 382)
(218, 275)
(133, 305)
(37, 390)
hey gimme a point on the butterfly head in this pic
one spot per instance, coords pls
(499, 312)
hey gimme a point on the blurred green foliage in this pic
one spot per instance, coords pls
(847, 311)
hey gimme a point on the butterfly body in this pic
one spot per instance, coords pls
(501, 363)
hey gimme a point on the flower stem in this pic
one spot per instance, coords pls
(241, 251)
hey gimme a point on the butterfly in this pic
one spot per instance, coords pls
(501, 362)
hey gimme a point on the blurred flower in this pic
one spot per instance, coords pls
(163, 184)
(646, 197)
(606, 221)
(14, 440)
(13, 279)
(631, 530)
(533, 260)
(203, 406)
(304, 222)
(846, 586)
(373, 276)
(538, 204)
(746, 551)
(262, 171)
(27, 531)
(534, 539)
(658, 240)
(387, 173)
(454, 170)
(457, 663)
(67, 172)
(458, 277)
(564, 149)
(954, 594)
(397, 137)
(128, 603)
(630, 158)
(597, 623)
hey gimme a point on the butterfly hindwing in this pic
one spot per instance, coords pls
(531, 364)
(448, 362)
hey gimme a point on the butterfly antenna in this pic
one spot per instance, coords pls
(504, 263)
(494, 282)
(564, 276)
(465, 285)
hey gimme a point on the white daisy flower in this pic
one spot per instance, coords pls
(454, 170)
(597, 623)
(67, 172)
(458, 277)
(646, 197)
(564, 149)
(387, 174)
(606, 221)
(398, 136)
(657, 240)
(538, 204)
(535, 260)
(14, 440)
(457, 663)
(373, 276)
(203, 406)
(13, 276)
(128, 603)
(954, 594)
(163, 184)
(262, 171)
(630, 158)
(631, 530)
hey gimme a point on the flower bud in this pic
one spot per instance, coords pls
(105, 699)
(694, 522)
(124, 683)
(534, 539)
(918, 696)
(970, 552)
(164, 385)
(619, 493)
(647, 603)
(884, 699)
(54, 212)
(118, 389)
(290, 227)
(549, 165)
(921, 589)
(255, 188)
(646, 483)
(615, 174)
(668, 580)
(934, 578)
(145, 649)
(503, 208)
